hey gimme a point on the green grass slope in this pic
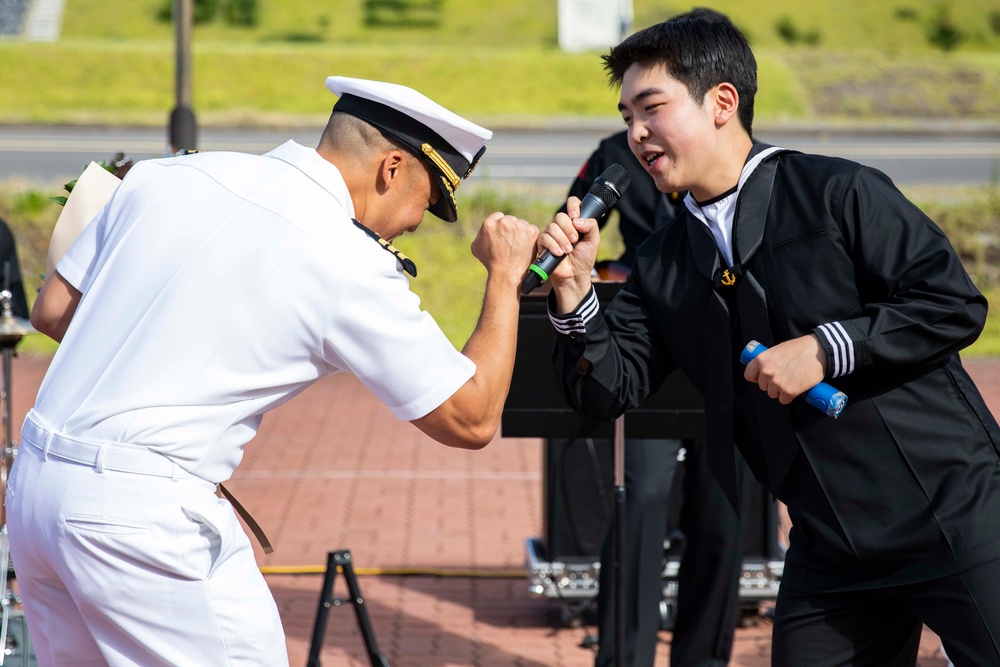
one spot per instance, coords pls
(846, 59)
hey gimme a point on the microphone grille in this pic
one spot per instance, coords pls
(612, 182)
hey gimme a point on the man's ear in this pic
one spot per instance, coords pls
(726, 102)
(391, 169)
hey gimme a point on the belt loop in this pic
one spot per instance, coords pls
(48, 443)
(99, 461)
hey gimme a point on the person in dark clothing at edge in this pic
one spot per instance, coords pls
(894, 504)
(10, 271)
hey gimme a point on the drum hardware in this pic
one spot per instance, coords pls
(12, 329)
(18, 649)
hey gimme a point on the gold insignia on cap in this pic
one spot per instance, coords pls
(450, 191)
(443, 166)
(475, 161)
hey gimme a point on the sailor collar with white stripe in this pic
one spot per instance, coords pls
(718, 214)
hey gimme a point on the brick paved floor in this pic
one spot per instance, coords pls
(332, 469)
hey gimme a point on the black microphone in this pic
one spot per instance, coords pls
(602, 196)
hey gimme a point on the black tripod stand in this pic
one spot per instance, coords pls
(340, 561)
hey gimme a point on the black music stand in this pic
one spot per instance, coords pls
(535, 408)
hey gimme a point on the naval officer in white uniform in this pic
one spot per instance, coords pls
(283, 262)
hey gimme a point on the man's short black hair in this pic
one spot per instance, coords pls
(699, 52)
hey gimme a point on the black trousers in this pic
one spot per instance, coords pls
(708, 579)
(881, 627)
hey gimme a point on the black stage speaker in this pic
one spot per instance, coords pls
(577, 505)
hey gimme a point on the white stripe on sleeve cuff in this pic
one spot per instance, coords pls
(576, 321)
(843, 348)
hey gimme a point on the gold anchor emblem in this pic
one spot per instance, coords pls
(727, 279)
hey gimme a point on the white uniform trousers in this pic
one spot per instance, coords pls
(124, 569)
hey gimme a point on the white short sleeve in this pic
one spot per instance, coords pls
(397, 350)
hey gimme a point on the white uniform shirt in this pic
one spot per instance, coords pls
(219, 285)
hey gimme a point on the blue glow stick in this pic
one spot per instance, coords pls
(822, 397)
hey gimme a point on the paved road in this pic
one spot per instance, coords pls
(549, 156)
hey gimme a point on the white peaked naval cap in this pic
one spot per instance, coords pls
(449, 144)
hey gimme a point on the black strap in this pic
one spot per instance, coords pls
(252, 524)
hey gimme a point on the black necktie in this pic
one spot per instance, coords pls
(719, 398)
(736, 289)
(717, 360)
(777, 433)
(774, 422)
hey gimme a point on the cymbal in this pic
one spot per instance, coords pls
(13, 328)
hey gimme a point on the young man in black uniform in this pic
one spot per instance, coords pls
(708, 578)
(895, 504)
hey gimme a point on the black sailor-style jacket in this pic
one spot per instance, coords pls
(903, 486)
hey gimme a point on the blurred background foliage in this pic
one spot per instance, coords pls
(263, 62)
(894, 25)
